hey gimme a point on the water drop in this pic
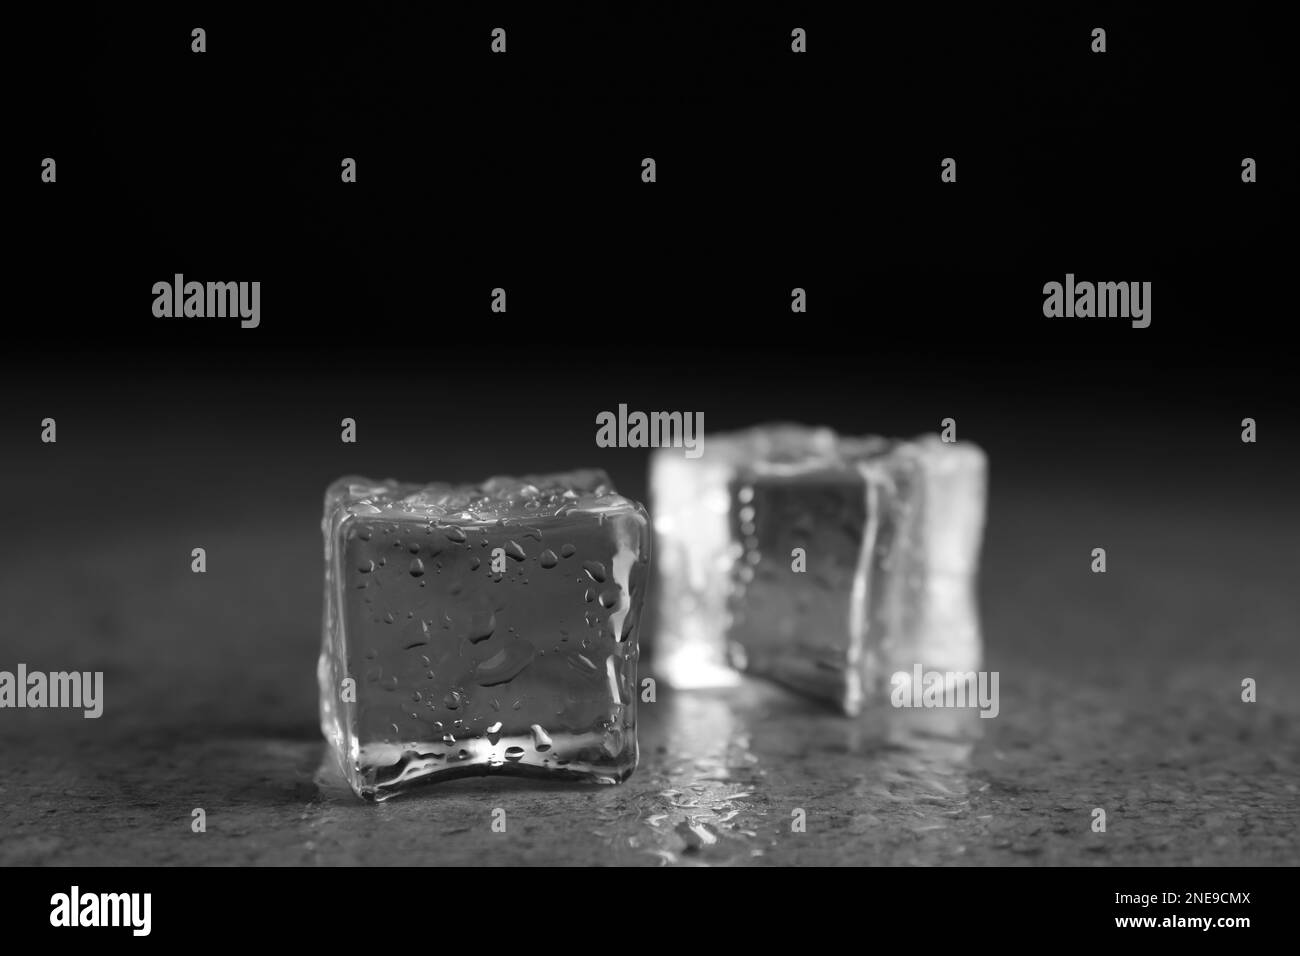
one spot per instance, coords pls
(481, 626)
(505, 664)
(514, 754)
(548, 559)
(541, 739)
(417, 568)
(595, 570)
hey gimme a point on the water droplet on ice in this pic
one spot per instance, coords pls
(481, 626)
(541, 739)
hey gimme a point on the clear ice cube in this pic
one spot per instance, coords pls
(826, 563)
(473, 630)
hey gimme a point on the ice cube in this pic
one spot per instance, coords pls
(824, 562)
(481, 629)
(927, 614)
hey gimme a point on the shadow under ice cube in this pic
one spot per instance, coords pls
(823, 562)
(481, 629)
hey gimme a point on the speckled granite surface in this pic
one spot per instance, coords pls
(1118, 691)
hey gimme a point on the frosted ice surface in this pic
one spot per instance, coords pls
(887, 536)
(477, 629)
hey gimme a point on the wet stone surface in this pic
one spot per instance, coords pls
(1113, 695)
(723, 775)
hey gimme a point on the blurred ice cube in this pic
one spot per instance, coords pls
(823, 562)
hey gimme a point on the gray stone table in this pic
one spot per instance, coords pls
(1119, 691)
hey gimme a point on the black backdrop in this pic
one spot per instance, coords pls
(523, 171)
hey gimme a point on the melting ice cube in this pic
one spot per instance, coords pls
(823, 562)
(479, 629)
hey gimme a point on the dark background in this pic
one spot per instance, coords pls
(523, 171)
